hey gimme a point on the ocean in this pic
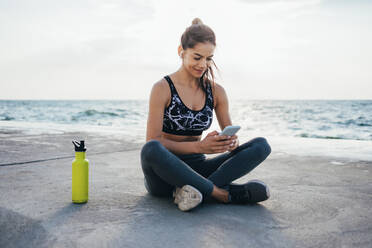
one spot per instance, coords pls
(290, 120)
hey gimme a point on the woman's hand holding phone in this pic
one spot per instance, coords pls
(216, 143)
(231, 131)
(235, 143)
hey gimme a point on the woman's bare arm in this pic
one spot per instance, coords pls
(222, 113)
(222, 107)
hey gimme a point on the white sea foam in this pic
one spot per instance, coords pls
(348, 149)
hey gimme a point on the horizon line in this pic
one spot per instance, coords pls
(231, 99)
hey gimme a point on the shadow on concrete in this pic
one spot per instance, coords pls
(17, 230)
(159, 221)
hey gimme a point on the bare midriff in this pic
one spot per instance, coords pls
(180, 138)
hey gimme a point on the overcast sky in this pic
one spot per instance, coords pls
(83, 49)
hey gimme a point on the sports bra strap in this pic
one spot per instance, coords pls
(170, 83)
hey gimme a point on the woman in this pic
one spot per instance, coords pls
(180, 109)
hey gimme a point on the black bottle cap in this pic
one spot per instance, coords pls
(79, 147)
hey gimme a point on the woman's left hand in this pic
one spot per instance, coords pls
(235, 143)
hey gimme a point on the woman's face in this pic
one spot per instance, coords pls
(196, 60)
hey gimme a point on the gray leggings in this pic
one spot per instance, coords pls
(164, 170)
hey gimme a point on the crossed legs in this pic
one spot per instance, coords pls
(164, 170)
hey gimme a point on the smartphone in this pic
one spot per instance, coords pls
(230, 130)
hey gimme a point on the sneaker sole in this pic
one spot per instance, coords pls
(189, 197)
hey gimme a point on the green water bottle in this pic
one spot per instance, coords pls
(80, 169)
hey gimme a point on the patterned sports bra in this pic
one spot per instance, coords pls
(180, 120)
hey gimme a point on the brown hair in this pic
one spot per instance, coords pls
(198, 32)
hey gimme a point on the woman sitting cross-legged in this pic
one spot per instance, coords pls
(180, 108)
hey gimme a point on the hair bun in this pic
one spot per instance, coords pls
(196, 21)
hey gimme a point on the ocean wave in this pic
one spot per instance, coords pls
(6, 118)
(360, 121)
(93, 113)
(306, 135)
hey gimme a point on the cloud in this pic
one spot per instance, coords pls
(104, 47)
(34, 27)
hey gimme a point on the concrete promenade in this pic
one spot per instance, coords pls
(315, 201)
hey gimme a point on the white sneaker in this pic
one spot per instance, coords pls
(176, 195)
(187, 197)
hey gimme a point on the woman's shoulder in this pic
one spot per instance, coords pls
(219, 93)
(217, 86)
(160, 90)
(217, 89)
(160, 86)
